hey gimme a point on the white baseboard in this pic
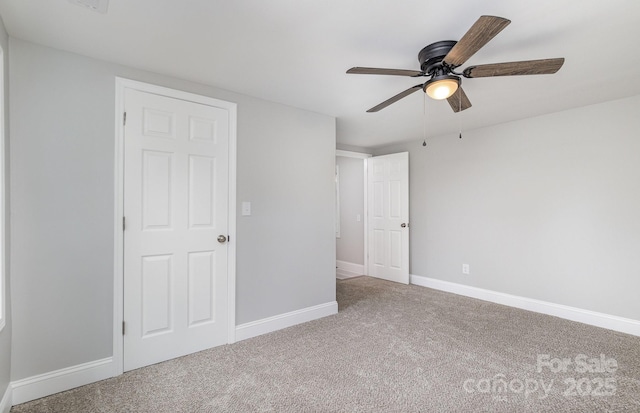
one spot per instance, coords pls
(267, 325)
(6, 402)
(31, 388)
(611, 322)
(349, 269)
(343, 275)
(53, 382)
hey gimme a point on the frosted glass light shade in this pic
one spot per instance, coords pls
(442, 88)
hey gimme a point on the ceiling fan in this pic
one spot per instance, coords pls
(439, 61)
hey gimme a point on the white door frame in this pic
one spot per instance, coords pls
(118, 264)
(364, 157)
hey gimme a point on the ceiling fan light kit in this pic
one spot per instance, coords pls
(439, 62)
(441, 87)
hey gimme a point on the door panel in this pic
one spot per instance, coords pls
(175, 205)
(201, 287)
(156, 294)
(156, 190)
(388, 182)
(201, 195)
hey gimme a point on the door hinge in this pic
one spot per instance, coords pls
(123, 328)
(124, 119)
(123, 225)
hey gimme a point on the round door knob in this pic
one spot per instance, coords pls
(222, 239)
(403, 225)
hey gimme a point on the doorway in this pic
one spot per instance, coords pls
(372, 216)
(351, 214)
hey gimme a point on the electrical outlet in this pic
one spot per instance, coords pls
(465, 269)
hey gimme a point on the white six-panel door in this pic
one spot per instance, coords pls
(175, 206)
(388, 208)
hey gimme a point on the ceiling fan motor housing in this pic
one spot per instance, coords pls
(431, 56)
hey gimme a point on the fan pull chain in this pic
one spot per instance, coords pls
(460, 112)
(424, 120)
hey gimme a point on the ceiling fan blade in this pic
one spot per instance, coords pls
(455, 101)
(395, 98)
(482, 31)
(527, 67)
(378, 71)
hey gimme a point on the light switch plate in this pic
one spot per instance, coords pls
(246, 208)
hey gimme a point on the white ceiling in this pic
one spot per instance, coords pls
(296, 52)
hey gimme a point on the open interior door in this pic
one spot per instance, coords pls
(388, 205)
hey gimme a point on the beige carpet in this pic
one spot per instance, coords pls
(391, 348)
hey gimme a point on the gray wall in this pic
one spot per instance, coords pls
(62, 169)
(350, 245)
(5, 334)
(546, 208)
(352, 148)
